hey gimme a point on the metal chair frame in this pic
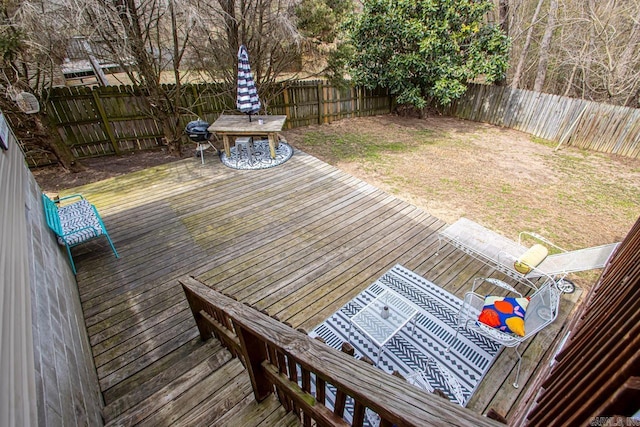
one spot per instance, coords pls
(541, 312)
(501, 253)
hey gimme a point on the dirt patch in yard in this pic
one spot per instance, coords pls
(501, 178)
(55, 178)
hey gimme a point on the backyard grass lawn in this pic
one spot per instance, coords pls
(504, 179)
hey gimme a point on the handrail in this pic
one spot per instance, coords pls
(284, 361)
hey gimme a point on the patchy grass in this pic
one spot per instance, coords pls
(359, 146)
(504, 179)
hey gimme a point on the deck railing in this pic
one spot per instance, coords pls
(287, 362)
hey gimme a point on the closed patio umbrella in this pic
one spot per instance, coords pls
(247, 100)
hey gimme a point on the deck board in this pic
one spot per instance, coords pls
(157, 375)
(297, 241)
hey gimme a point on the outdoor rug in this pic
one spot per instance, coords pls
(262, 157)
(409, 351)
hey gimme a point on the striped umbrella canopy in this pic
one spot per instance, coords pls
(247, 99)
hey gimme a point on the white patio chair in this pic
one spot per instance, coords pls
(542, 310)
(420, 380)
(246, 144)
(502, 253)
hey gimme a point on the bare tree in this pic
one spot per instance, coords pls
(282, 38)
(600, 46)
(503, 22)
(625, 73)
(32, 37)
(145, 38)
(578, 44)
(543, 51)
(503, 9)
(269, 31)
(517, 76)
(589, 50)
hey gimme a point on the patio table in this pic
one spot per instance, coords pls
(379, 328)
(239, 125)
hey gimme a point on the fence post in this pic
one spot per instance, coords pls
(320, 101)
(105, 121)
(285, 97)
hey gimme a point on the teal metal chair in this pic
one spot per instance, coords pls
(75, 223)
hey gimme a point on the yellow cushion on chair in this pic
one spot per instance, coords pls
(531, 259)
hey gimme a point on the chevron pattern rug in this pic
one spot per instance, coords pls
(410, 351)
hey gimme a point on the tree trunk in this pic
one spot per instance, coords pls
(60, 149)
(159, 100)
(623, 73)
(231, 26)
(590, 46)
(504, 16)
(504, 26)
(545, 45)
(517, 75)
(36, 131)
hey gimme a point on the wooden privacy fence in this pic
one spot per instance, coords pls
(576, 122)
(300, 370)
(116, 119)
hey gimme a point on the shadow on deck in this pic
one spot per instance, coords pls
(297, 242)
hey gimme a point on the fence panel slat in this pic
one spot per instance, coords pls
(580, 123)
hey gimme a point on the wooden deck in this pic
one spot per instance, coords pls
(297, 241)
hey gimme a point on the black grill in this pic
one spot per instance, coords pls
(197, 131)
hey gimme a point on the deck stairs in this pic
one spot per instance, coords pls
(199, 384)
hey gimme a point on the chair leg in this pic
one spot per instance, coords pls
(113, 248)
(452, 382)
(106, 233)
(463, 308)
(73, 265)
(455, 336)
(515, 384)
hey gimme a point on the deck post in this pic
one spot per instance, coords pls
(204, 327)
(254, 351)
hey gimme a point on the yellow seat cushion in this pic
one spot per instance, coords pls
(531, 259)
